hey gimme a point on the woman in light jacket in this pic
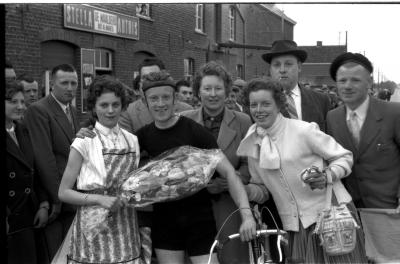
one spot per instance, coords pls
(278, 150)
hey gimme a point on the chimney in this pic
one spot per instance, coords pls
(319, 43)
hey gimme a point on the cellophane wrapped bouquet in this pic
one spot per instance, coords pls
(173, 175)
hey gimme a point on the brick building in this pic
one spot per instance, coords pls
(315, 70)
(114, 38)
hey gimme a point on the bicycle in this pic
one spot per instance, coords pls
(260, 252)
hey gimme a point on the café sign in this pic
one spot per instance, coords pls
(88, 18)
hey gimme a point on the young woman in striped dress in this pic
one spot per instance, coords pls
(97, 166)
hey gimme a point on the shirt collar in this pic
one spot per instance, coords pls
(11, 129)
(107, 131)
(361, 110)
(217, 118)
(63, 106)
(296, 91)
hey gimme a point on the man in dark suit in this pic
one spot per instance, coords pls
(52, 124)
(370, 128)
(285, 61)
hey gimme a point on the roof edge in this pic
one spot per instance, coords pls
(278, 12)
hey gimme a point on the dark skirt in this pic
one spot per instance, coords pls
(305, 246)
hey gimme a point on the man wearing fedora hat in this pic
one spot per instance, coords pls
(370, 128)
(285, 60)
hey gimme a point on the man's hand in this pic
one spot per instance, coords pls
(41, 217)
(86, 132)
(217, 185)
(55, 211)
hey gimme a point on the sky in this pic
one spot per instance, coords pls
(372, 29)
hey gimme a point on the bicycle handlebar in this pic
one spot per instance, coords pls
(260, 232)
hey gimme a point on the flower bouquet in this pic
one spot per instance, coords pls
(173, 175)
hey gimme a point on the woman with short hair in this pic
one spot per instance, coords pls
(212, 85)
(27, 205)
(278, 150)
(98, 166)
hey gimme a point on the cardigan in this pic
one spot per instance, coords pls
(300, 145)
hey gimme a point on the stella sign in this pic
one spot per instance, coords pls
(88, 18)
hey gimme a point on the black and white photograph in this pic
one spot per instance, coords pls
(202, 132)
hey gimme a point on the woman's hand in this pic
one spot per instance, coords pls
(41, 217)
(248, 228)
(316, 180)
(110, 202)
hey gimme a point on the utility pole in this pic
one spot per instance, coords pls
(283, 25)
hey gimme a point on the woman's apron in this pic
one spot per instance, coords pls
(119, 239)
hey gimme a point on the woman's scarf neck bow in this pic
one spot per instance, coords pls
(267, 153)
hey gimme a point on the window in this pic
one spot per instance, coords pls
(239, 71)
(232, 24)
(143, 10)
(188, 69)
(103, 60)
(200, 17)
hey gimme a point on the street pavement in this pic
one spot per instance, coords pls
(396, 95)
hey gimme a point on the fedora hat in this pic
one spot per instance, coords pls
(282, 47)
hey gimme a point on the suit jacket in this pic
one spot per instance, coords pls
(375, 178)
(233, 129)
(51, 135)
(314, 107)
(24, 189)
(137, 115)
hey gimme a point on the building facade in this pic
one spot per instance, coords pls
(315, 70)
(115, 38)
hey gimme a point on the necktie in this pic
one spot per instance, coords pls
(69, 116)
(11, 132)
(354, 127)
(291, 105)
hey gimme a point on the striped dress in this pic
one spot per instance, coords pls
(119, 239)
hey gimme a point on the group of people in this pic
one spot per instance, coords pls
(59, 171)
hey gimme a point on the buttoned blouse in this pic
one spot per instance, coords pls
(300, 145)
(93, 173)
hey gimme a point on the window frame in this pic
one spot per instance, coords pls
(232, 24)
(199, 27)
(188, 69)
(240, 71)
(138, 9)
(110, 57)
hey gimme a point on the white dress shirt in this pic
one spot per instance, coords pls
(361, 112)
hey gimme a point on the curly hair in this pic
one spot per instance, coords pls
(103, 84)
(13, 87)
(268, 85)
(212, 68)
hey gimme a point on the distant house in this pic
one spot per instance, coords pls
(315, 70)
